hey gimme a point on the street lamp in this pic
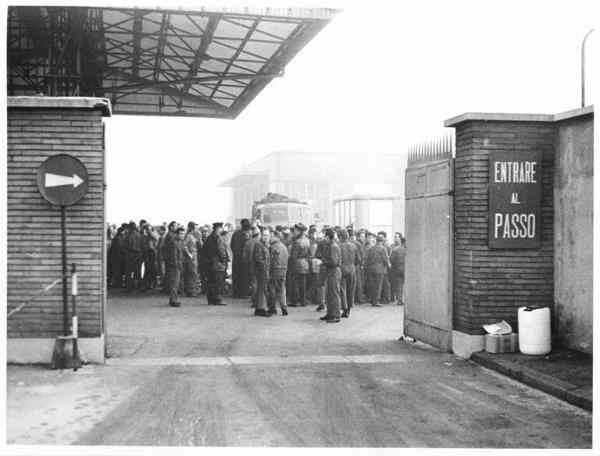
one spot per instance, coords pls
(583, 68)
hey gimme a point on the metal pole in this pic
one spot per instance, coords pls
(583, 67)
(63, 226)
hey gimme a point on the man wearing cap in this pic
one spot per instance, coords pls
(239, 272)
(160, 254)
(369, 242)
(173, 262)
(315, 288)
(386, 285)
(350, 261)
(133, 246)
(277, 274)
(247, 258)
(353, 239)
(287, 237)
(300, 255)
(190, 261)
(216, 254)
(322, 241)
(261, 263)
(398, 260)
(332, 273)
(116, 252)
(377, 263)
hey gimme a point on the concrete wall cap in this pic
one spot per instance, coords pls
(102, 104)
(574, 113)
(498, 117)
(515, 117)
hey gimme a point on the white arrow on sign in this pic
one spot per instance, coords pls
(54, 180)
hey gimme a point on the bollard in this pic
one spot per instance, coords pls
(76, 357)
(61, 358)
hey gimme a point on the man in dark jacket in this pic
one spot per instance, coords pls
(240, 276)
(377, 263)
(150, 246)
(134, 247)
(350, 261)
(173, 262)
(116, 253)
(331, 256)
(217, 256)
(277, 273)
(261, 262)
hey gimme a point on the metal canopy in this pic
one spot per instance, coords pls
(169, 62)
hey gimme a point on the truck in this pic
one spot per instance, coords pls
(275, 209)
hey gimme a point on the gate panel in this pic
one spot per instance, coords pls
(429, 228)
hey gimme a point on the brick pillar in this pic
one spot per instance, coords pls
(491, 284)
(38, 128)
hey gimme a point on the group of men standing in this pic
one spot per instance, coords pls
(133, 249)
(195, 255)
(331, 267)
(182, 261)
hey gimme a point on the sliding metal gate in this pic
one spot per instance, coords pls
(429, 242)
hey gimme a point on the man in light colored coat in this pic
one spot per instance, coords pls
(398, 260)
(331, 257)
(377, 264)
(277, 275)
(190, 261)
(350, 261)
(300, 260)
(261, 262)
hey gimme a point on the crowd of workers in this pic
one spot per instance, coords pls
(333, 268)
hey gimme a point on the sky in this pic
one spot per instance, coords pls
(382, 76)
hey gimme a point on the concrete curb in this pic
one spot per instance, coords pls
(558, 388)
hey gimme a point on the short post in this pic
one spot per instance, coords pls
(76, 358)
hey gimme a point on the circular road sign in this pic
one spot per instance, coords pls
(62, 180)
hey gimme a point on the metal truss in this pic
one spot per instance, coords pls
(206, 63)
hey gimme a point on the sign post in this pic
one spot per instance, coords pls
(515, 200)
(63, 236)
(63, 181)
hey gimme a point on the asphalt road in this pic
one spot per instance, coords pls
(217, 376)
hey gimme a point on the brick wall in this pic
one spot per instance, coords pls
(34, 230)
(489, 285)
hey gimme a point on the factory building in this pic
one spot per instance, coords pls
(317, 178)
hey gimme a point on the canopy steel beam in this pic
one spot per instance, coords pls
(207, 36)
(136, 43)
(208, 62)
